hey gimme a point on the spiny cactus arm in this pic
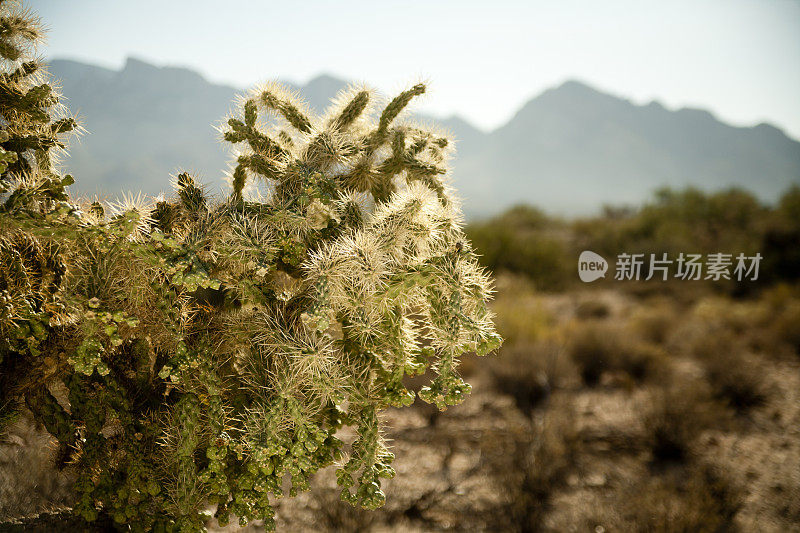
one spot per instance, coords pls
(265, 157)
(25, 69)
(246, 131)
(288, 105)
(31, 130)
(28, 102)
(369, 462)
(407, 153)
(291, 165)
(31, 276)
(350, 107)
(19, 29)
(394, 108)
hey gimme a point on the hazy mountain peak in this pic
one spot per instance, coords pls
(697, 115)
(142, 71)
(457, 123)
(325, 80)
(137, 66)
(769, 129)
(655, 105)
(577, 87)
(319, 90)
(570, 149)
(575, 91)
(571, 100)
(79, 70)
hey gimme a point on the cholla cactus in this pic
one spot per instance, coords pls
(32, 130)
(211, 350)
(34, 125)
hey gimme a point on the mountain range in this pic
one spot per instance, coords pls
(569, 150)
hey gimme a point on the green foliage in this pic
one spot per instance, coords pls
(781, 238)
(211, 350)
(687, 221)
(526, 241)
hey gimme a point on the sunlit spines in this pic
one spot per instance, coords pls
(396, 106)
(35, 125)
(349, 107)
(295, 111)
(132, 213)
(20, 31)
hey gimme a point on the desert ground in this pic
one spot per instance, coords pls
(605, 410)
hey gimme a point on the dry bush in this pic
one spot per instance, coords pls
(598, 347)
(529, 372)
(521, 317)
(737, 381)
(529, 466)
(734, 378)
(696, 499)
(594, 348)
(773, 322)
(784, 328)
(713, 342)
(770, 324)
(643, 361)
(592, 308)
(717, 311)
(655, 322)
(679, 411)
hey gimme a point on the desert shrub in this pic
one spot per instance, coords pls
(521, 314)
(654, 322)
(734, 379)
(697, 498)
(712, 342)
(592, 308)
(597, 347)
(528, 372)
(594, 348)
(690, 219)
(778, 332)
(714, 312)
(530, 465)
(677, 221)
(643, 361)
(525, 241)
(779, 242)
(785, 326)
(679, 411)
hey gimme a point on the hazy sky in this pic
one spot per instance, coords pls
(740, 59)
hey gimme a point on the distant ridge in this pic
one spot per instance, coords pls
(569, 150)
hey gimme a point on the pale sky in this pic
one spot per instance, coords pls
(739, 59)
